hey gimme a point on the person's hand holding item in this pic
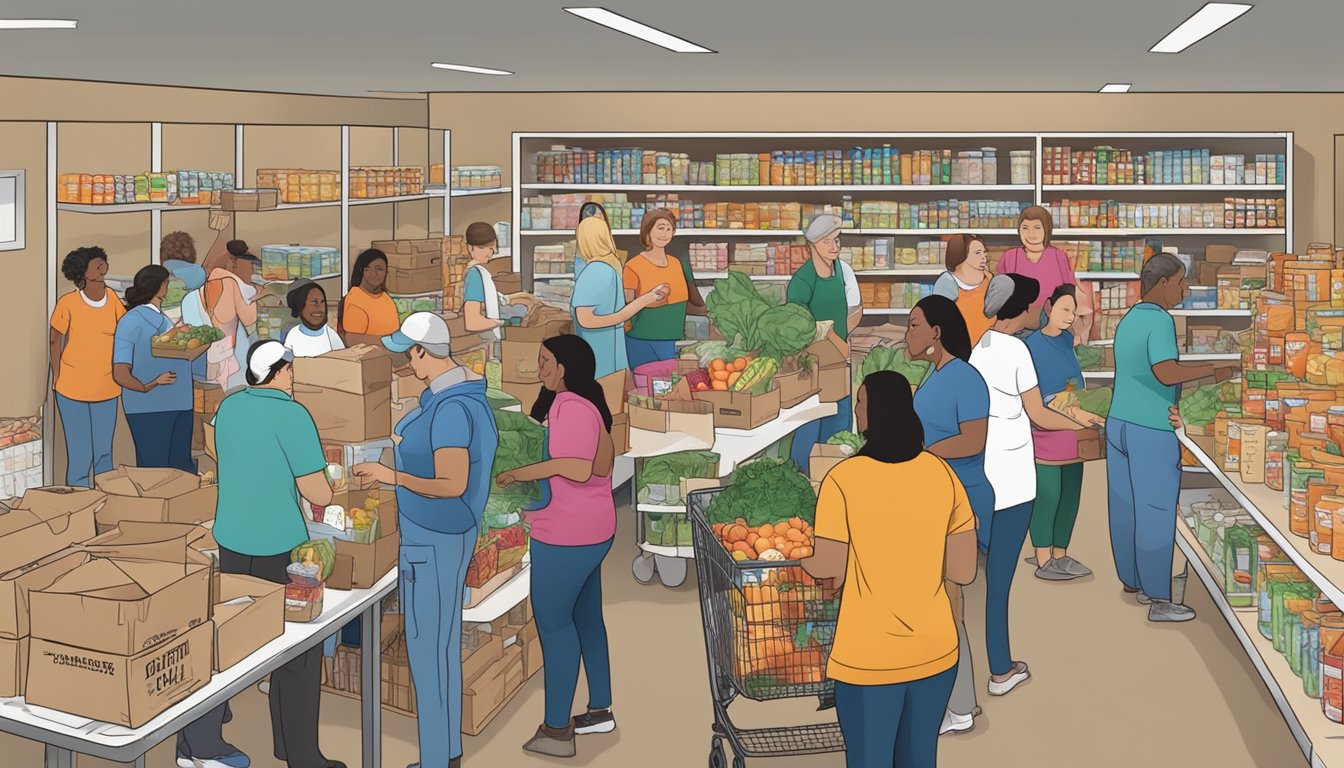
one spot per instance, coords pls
(1224, 372)
(165, 378)
(654, 297)
(371, 472)
(505, 479)
(1088, 419)
(1174, 418)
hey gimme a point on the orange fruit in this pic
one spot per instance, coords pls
(733, 377)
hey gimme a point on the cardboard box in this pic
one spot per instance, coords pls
(125, 689)
(365, 564)
(405, 386)
(17, 586)
(797, 386)
(833, 379)
(345, 416)
(531, 644)
(249, 199)
(691, 417)
(476, 595)
(1206, 273)
(1091, 444)
(303, 604)
(412, 254)
(414, 281)
(197, 432)
(524, 393)
(162, 543)
(620, 433)
(823, 459)
(248, 614)
(121, 606)
(537, 333)
(13, 667)
(518, 361)
(46, 521)
(359, 370)
(1220, 254)
(742, 410)
(206, 398)
(479, 661)
(515, 668)
(616, 386)
(484, 697)
(154, 496)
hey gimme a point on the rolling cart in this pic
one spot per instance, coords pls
(768, 633)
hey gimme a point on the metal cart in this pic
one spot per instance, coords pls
(768, 633)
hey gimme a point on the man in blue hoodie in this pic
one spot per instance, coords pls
(443, 474)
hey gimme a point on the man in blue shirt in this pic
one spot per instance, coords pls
(444, 462)
(1143, 473)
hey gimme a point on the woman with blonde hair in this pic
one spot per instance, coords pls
(598, 308)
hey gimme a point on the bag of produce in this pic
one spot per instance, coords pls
(311, 562)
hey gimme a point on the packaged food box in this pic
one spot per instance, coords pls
(248, 613)
(154, 495)
(303, 604)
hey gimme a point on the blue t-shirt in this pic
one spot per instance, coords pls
(1056, 363)
(474, 289)
(949, 396)
(599, 286)
(132, 345)
(457, 417)
(1145, 337)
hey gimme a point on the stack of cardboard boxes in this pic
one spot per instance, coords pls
(413, 266)
(456, 261)
(519, 376)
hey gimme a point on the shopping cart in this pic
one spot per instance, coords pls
(768, 633)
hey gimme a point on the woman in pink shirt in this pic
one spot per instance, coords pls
(1047, 265)
(571, 536)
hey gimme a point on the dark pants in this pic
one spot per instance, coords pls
(1005, 546)
(162, 439)
(893, 725)
(295, 689)
(567, 601)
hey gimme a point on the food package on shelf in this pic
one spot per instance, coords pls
(475, 177)
(386, 181)
(293, 261)
(301, 186)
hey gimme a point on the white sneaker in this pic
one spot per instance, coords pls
(185, 762)
(1019, 676)
(265, 687)
(954, 723)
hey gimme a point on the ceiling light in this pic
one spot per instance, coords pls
(471, 69)
(635, 29)
(37, 23)
(1207, 20)
(1115, 88)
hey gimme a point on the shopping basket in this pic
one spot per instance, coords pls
(768, 633)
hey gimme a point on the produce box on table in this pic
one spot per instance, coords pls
(361, 527)
(660, 478)
(825, 456)
(311, 563)
(672, 414)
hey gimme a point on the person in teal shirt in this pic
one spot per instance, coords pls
(1143, 473)
(270, 459)
(598, 308)
(826, 286)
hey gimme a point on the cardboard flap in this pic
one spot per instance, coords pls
(831, 350)
(148, 483)
(20, 519)
(133, 540)
(153, 576)
(97, 578)
(55, 501)
(615, 386)
(235, 586)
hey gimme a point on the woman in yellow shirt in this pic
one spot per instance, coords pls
(82, 329)
(894, 659)
(367, 313)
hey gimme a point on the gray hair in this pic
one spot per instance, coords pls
(1162, 266)
(998, 293)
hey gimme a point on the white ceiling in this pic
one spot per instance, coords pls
(353, 47)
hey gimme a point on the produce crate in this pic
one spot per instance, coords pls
(768, 626)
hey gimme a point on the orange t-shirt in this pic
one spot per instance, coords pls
(86, 361)
(369, 315)
(972, 306)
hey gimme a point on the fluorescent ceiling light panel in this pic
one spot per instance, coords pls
(471, 69)
(37, 23)
(1207, 20)
(635, 29)
(1115, 88)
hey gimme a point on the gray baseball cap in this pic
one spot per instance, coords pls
(823, 226)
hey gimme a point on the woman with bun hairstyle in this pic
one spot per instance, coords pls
(155, 391)
(366, 313)
(965, 281)
(83, 325)
(1049, 266)
(229, 300)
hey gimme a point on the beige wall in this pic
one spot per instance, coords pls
(482, 124)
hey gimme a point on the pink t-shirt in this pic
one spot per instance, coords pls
(1052, 271)
(579, 514)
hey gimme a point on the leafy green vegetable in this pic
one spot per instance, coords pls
(669, 469)
(765, 491)
(1090, 358)
(735, 306)
(786, 331)
(1095, 400)
(499, 399)
(851, 439)
(1200, 407)
(892, 359)
(520, 443)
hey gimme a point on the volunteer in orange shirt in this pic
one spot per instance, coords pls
(367, 313)
(82, 328)
(655, 330)
(965, 281)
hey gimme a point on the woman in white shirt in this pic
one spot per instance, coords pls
(312, 337)
(1015, 404)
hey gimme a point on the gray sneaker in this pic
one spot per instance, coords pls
(1162, 610)
(1054, 571)
(1073, 566)
(1033, 561)
(1143, 598)
(551, 746)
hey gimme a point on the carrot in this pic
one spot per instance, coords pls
(752, 536)
(781, 528)
(740, 364)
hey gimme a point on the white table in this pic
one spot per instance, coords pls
(67, 735)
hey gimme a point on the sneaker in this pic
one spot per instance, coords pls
(185, 762)
(234, 759)
(1054, 571)
(1143, 598)
(954, 723)
(594, 722)
(1073, 566)
(265, 687)
(1033, 561)
(551, 746)
(1162, 610)
(1019, 676)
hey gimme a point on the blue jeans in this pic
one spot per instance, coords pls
(893, 725)
(433, 573)
(641, 351)
(89, 428)
(1143, 484)
(820, 431)
(1008, 534)
(162, 439)
(567, 601)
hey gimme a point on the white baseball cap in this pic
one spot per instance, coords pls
(422, 329)
(264, 355)
(822, 226)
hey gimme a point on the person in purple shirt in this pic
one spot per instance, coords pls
(571, 536)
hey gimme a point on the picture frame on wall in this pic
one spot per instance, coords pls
(11, 210)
